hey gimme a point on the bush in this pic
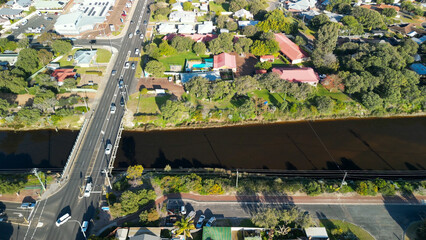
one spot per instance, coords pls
(366, 188)
(313, 189)
(121, 185)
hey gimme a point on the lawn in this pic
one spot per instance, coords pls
(148, 105)
(322, 91)
(214, 7)
(81, 70)
(63, 61)
(273, 98)
(178, 59)
(330, 224)
(33, 181)
(72, 121)
(103, 55)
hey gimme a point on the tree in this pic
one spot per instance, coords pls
(236, 5)
(187, 6)
(149, 216)
(257, 5)
(319, 20)
(44, 99)
(276, 22)
(23, 43)
(44, 56)
(134, 172)
(263, 65)
(47, 38)
(325, 45)
(199, 48)
(243, 45)
(173, 111)
(221, 21)
(11, 82)
(220, 90)
(299, 41)
(371, 100)
(4, 107)
(182, 44)
(247, 109)
(324, 104)
(155, 68)
(61, 47)
(266, 218)
(28, 60)
(370, 19)
(421, 231)
(199, 87)
(249, 31)
(132, 201)
(245, 84)
(28, 116)
(352, 26)
(165, 49)
(389, 12)
(260, 47)
(11, 46)
(232, 26)
(70, 83)
(152, 50)
(185, 225)
(223, 43)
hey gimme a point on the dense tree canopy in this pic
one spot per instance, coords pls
(276, 21)
(155, 68)
(28, 60)
(61, 47)
(11, 82)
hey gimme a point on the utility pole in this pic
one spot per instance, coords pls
(36, 174)
(236, 183)
(85, 103)
(343, 181)
(106, 174)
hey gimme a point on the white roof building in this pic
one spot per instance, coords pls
(166, 28)
(242, 13)
(205, 28)
(177, 6)
(83, 16)
(319, 233)
(183, 16)
(204, 7)
(46, 5)
(186, 28)
(302, 5)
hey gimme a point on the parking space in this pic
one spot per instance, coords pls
(44, 22)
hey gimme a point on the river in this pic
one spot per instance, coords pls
(377, 144)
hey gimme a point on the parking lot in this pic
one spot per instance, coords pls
(35, 22)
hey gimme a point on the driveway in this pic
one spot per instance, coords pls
(34, 22)
(382, 221)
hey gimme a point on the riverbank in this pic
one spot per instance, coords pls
(220, 124)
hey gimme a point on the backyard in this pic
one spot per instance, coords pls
(179, 59)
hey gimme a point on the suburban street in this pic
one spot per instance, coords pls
(91, 159)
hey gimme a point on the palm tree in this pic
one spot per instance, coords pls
(185, 225)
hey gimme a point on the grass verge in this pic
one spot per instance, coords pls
(331, 224)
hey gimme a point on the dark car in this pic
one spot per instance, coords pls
(137, 32)
(145, 22)
(122, 101)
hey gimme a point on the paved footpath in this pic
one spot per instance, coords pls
(284, 199)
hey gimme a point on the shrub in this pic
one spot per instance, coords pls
(313, 188)
(121, 185)
(366, 188)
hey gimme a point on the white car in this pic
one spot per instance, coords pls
(130, 35)
(15, 27)
(183, 210)
(63, 219)
(141, 36)
(113, 108)
(200, 221)
(126, 65)
(210, 222)
(108, 147)
(137, 51)
(133, 66)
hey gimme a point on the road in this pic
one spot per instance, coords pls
(92, 158)
(384, 222)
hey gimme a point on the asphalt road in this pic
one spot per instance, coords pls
(384, 222)
(91, 159)
(34, 22)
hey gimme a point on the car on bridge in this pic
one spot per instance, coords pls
(113, 108)
(133, 66)
(108, 147)
(120, 83)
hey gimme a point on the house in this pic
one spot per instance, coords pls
(84, 57)
(412, 34)
(204, 7)
(186, 28)
(205, 28)
(242, 13)
(267, 58)
(23, 5)
(308, 15)
(211, 76)
(301, 5)
(383, 6)
(243, 24)
(316, 233)
(224, 61)
(299, 75)
(293, 52)
(419, 68)
(10, 13)
(63, 73)
(49, 5)
(183, 16)
(334, 17)
(165, 28)
(177, 6)
(419, 40)
(11, 58)
(406, 29)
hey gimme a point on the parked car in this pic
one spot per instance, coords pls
(113, 108)
(131, 22)
(84, 226)
(126, 65)
(210, 222)
(183, 210)
(39, 13)
(200, 221)
(69, 58)
(63, 219)
(108, 147)
(49, 19)
(15, 27)
(133, 66)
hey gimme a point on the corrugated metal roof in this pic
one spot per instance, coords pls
(10, 11)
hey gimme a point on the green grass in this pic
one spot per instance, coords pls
(214, 7)
(322, 91)
(150, 105)
(103, 55)
(273, 98)
(179, 59)
(330, 224)
(32, 180)
(63, 61)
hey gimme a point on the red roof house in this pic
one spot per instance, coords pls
(224, 61)
(293, 52)
(269, 58)
(63, 73)
(300, 75)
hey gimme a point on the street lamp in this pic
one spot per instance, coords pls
(81, 227)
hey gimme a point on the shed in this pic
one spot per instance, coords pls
(316, 233)
(216, 233)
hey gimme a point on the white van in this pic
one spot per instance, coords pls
(63, 219)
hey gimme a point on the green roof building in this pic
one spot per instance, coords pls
(216, 233)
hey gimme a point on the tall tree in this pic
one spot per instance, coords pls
(23, 43)
(4, 107)
(61, 47)
(155, 68)
(199, 48)
(165, 49)
(236, 5)
(325, 45)
(12, 82)
(276, 21)
(44, 56)
(185, 225)
(28, 60)
(182, 44)
(173, 111)
(220, 90)
(243, 45)
(198, 86)
(134, 172)
(223, 43)
(245, 84)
